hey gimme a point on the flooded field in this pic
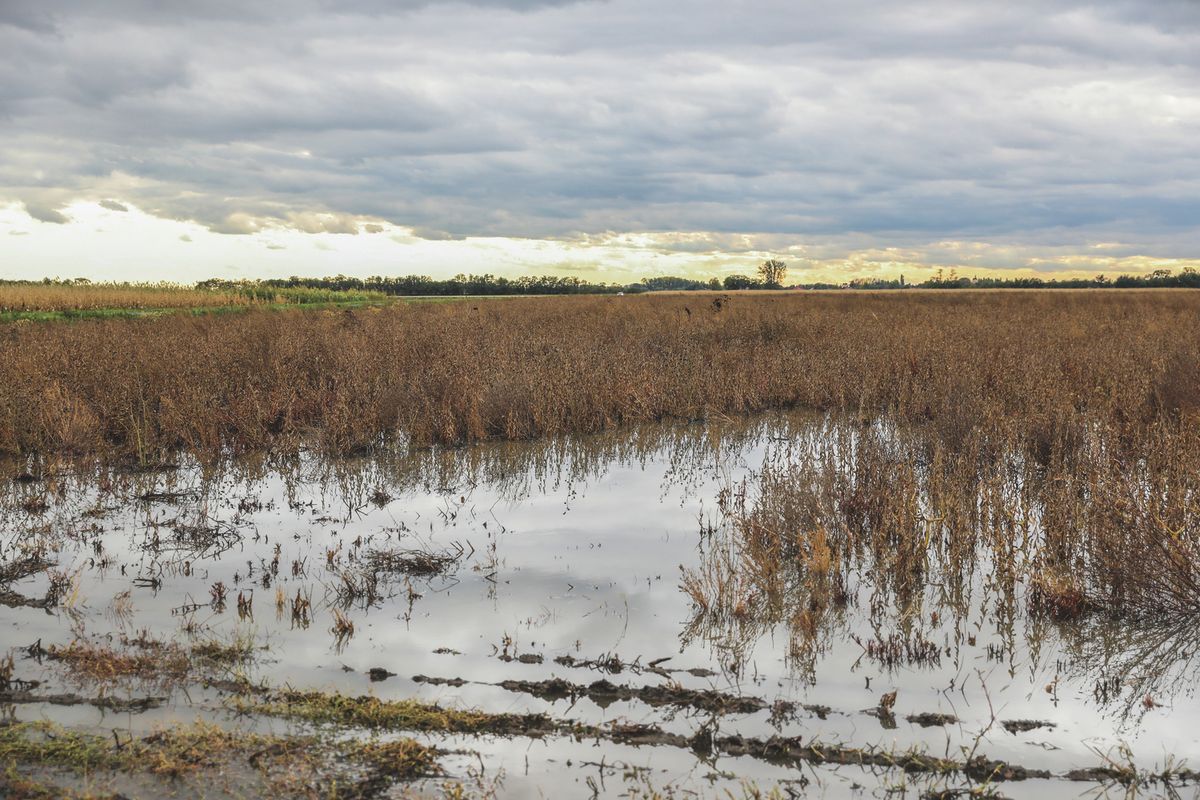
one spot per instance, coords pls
(594, 616)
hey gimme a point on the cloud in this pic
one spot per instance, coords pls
(239, 224)
(433, 235)
(817, 130)
(27, 16)
(113, 205)
(44, 213)
(44, 14)
(310, 222)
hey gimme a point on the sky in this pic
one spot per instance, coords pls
(607, 139)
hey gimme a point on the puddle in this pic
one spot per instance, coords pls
(547, 578)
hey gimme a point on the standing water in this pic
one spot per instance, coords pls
(605, 582)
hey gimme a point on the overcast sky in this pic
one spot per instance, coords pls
(153, 139)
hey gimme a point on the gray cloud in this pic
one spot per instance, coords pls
(46, 214)
(58, 15)
(1055, 123)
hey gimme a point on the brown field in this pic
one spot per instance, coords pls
(1068, 418)
(1030, 365)
(987, 478)
(59, 297)
(1065, 417)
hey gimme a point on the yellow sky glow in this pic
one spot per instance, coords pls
(101, 243)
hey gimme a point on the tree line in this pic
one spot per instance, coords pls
(771, 274)
(1187, 278)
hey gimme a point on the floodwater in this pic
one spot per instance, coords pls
(568, 557)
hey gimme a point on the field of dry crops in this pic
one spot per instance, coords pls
(1028, 365)
(20, 297)
(27, 301)
(984, 504)
(1095, 396)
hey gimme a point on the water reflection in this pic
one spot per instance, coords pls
(807, 562)
(878, 536)
(1133, 668)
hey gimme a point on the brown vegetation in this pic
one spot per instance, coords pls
(1030, 454)
(1048, 438)
(67, 297)
(204, 760)
(1102, 518)
(146, 660)
(1033, 362)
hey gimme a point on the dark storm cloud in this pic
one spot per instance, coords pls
(868, 121)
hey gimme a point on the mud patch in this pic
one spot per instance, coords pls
(1024, 725)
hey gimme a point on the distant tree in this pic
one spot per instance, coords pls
(671, 283)
(735, 282)
(772, 272)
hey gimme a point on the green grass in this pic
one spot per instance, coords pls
(373, 713)
(190, 751)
